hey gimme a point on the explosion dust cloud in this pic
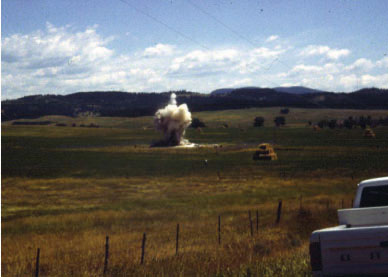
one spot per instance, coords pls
(172, 121)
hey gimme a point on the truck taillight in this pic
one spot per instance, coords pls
(315, 256)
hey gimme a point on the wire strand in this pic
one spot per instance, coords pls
(164, 24)
(236, 33)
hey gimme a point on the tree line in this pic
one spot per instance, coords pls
(124, 104)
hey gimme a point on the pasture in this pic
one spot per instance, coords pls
(64, 189)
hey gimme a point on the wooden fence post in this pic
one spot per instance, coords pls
(37, 263)
(250, 223)
(106, 254)
(279, 212)
(257, 220)
(219, 230)
(177, 239)
(143, 248)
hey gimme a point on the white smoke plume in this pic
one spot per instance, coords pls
(172, 121)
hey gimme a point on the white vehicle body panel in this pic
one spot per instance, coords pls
(359, 246)
(354, 250)
(363, 216)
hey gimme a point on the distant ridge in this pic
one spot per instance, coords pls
(298, 90)
(125, 104)
(229, 90)
(221, 91)
(292, 90)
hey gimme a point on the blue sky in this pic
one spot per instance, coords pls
(60, 47)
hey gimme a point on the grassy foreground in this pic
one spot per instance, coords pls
(64, 189)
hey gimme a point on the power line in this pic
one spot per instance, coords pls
(164, 24)
(235, 32)
(189, 38)
(222, 23)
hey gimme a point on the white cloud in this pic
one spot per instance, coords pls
(61, 60)
(303, 70)
(50, 60)
(314, 50)
(55, 47)
(241, 82)
(264, 52)
(333, 54)
(361, 65)
(353, 81)
(289, 84)
(159, 50)
(349, 81)
(272, 38)
(333, 68)
(335, 76)
(204, 62)
(259, 59)
(383, 62)
(380, 81)
(306, 68)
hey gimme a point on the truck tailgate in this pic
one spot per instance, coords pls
(355, 251)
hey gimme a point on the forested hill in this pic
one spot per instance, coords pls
(140, 104)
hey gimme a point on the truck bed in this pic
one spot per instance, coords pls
(363, 216)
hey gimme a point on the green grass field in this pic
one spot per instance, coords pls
(65, 188)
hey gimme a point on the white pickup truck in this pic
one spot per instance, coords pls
(359, 246)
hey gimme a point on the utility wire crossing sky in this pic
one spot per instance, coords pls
(61, 47)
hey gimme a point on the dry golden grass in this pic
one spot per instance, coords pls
(81, 253)
(72, 243)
